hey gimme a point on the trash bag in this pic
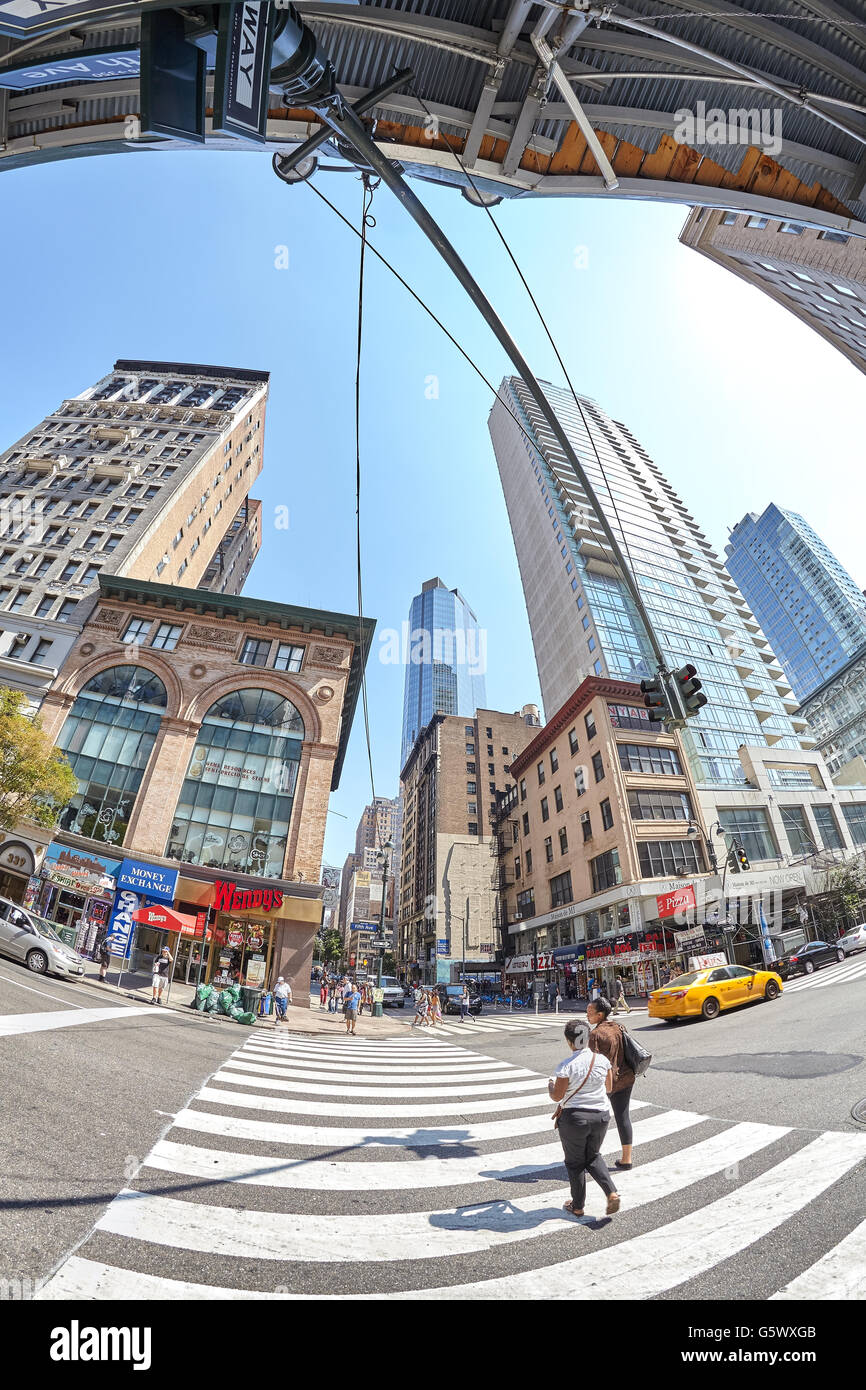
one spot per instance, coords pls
(211, 1004)
(248, 1019)
(227, 1001)
(202, 995)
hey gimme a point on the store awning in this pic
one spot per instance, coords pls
(166, 919)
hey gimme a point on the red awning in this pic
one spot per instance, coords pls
(166, 919)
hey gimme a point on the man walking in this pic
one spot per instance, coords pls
(282, 998)
(620, 1002)
(350, 1008)
(161, 967)
(104, 956)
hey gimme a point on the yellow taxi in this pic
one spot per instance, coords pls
(704, 993)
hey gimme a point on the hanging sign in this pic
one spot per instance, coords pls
(93, 65)
(669, 904)
(243, 65)
(25, 19)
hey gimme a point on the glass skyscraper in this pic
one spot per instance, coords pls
(446, 657)
(582, 619)
(808, 605)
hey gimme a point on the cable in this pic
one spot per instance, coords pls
(367, 220)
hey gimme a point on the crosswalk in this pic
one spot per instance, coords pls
(498, 1023)
(416, 1169)
(843, 973)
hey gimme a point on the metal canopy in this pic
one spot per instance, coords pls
(480, 75)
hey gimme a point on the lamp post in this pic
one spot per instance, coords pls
(383, 858)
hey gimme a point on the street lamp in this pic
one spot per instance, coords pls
(383, 859)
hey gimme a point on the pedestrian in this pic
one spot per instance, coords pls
(161, 967)
(282, 998)
(551, 994)
(620, 1002)
(332, 995)
(421, 1007)
(464, 1006)
(104, 955)
(606, 1038)
(580, 1085)
(435, 1014)
(323, 992)
(350, 1008)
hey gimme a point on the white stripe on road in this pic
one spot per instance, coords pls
(12, 1024)
(263, 1078)
(429, 1065)
(229, 1232)
(340, 1110)
(656, 1262)
(845, 979)
(838, 1276)
(58, 999)
(310, 1173)
(88, 1279)
(327, 1137)
(379, 1077)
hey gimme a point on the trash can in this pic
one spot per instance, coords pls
(249, 1000)
(266, 1005)
(67, 935)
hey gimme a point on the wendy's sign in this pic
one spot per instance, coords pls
(228, 897)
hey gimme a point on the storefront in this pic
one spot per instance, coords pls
(18, 860)
(140, 884)
(636, 958)
(76, 891)
(570, 964)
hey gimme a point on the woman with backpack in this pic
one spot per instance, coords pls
(606, 1038)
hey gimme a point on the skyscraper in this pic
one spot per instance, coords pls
(145, 474)
(583, 621)
(446, 656)
(813, 613)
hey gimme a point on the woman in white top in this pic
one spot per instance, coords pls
(581, 1084)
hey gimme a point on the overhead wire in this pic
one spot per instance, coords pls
(367, 220)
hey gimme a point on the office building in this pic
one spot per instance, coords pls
(819, 275)
(145, 474)
(445, 653)
(811, 610)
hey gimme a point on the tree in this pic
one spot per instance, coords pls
(329, 946)
(36, 781)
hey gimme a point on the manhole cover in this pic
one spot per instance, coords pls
(859, 1112)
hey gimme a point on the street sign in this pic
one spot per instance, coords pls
(443, 948)
(25, 19)
(365, 926)
(172, 79)
(243, 65)
(92, 65)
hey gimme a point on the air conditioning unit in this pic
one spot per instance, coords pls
(22, 636)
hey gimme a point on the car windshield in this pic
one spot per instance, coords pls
(453, 990)
(43, 928)
(682, 980)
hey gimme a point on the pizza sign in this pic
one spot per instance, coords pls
(680, 900)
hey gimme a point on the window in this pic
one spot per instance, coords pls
(182, 570)
(596, 666)
(728, 219)
(471, 789)
(572, 742)
(548, 849)
(557, 798)
(66, 573)
(591, 644)
(528, 857)
(541, 774)
(526, 903)
(580, 780)
(750, 827)
(505, 752)
(136, 630)
(235, 804)
(827, 827)
(108, 738)
(606, 871)
(470, 748)
(598, 767)
(589, 721)
(523, 789)
(606, 815)
(66, 609)
(289, 658)
(560, 889)
(43, 608)
(856, 819)
(470, 767)
(586, 825)
(111, 542)
(659, 805)
(255, 652)
(554, 760)
(491, 786)
(795, 228)
(525, 823)
(517, 866)
(177, 540)
(43, 647)
(660, 857)
(545, 809)
(491, 768)
(490, 750)
(563, 840)
(18, 647)
(794, 821)
(91, 574)
(635, 757)
(472, 828)
(472, 808)
(166, 636)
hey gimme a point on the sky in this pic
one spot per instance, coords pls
(207, 257)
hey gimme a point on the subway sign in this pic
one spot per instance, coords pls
(93, 65)
(228, 897)
(243, 66)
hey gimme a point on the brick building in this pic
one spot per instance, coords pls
(449, 788)
(206, 731)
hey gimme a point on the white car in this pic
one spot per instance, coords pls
(33, 941)
(853, 940)
(392, 991)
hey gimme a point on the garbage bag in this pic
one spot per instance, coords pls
(227, 1001)
(212, 1003)
(248, 1019)
(202, 995)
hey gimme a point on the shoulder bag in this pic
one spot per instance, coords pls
(633, 1054)
(558, 1111)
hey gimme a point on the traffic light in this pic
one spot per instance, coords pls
(656, 700)
(742, 859)
(687, 687)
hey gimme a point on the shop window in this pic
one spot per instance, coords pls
(236, 801)
(108, 739)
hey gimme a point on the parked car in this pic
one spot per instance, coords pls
(808, 958)
(34, 941)
(392, 992)
(853, 940)
(450, 996)
(705, 993)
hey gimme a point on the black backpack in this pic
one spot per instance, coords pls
(634, 1056)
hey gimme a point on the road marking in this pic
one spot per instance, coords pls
(58, 999)
(225, 1231)
(349, 1076)
(838, 1276)
(400, 1066)
(459, 1106)
(441, 1171)
(13, 1024)
(363, 1092)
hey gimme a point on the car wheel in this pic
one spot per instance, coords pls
(37, 961)
(809, 967)
(711, 1008)
(840, 955)
(772, 990)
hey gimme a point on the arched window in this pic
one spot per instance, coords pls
(108, 738)
(236, 801)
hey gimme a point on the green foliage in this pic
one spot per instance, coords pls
(389, 965)
(36, 781)
(328, 946)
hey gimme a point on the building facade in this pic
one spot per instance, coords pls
(445, 656)
(145, 474)
(206, 732)
(836, 712)
(450, 783)
(808, 605)
(819, 275)
(582, 619)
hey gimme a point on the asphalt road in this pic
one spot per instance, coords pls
(82, 1105)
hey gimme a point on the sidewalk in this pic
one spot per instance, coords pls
(300, 1020)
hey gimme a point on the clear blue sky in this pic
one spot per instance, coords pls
(174, 256)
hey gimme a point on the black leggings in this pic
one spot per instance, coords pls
(619, 1102)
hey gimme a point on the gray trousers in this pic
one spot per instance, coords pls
(581, 1137)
